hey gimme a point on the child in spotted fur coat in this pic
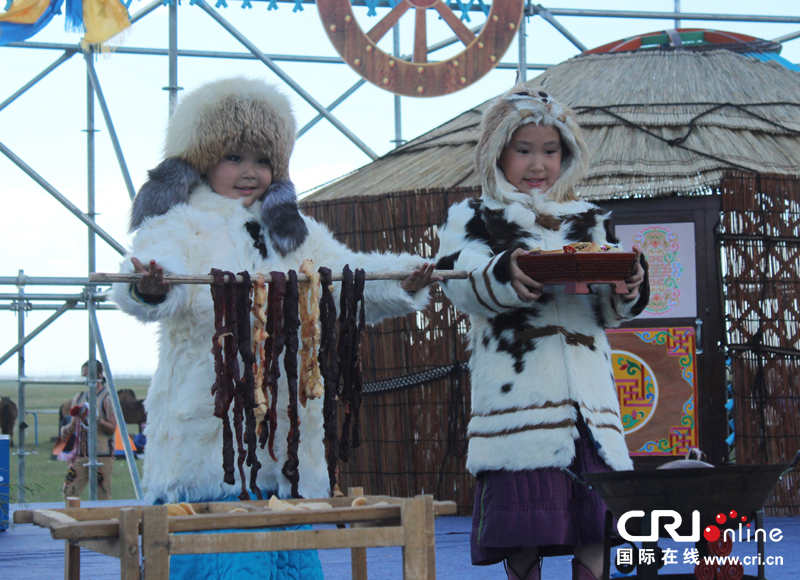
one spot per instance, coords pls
(543, 391)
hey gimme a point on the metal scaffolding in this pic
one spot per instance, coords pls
(90, 298)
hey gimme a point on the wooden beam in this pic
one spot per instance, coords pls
(464, 34)
(430, 535)
(358, 556)
(72, 554)
(420, 36)
(155, 542)
(129, 544)
(415, 548)
(46, 518)
(107, 546)
(387, 22)
(279, 541)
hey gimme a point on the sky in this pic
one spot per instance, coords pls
(46, 128)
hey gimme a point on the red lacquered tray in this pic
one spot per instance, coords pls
(578, 270)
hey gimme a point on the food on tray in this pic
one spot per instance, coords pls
(577, 247)
(180, 509)
(278, 505)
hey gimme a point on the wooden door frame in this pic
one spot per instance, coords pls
(704, 212)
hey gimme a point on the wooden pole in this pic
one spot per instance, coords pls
(415, 549)
(358, 556)
(110, 278)
(129, 544)
(155, 542)
(72, 554)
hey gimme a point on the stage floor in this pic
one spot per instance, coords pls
(27, 551)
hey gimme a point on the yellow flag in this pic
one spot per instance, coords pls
(103, 19)
(25, 11)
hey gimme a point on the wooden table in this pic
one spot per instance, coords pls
(115, 531)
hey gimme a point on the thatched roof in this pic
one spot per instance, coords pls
(739, 113)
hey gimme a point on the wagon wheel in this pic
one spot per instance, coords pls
(420, 78)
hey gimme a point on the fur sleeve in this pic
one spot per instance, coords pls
(382, 299)
(161, 239)
(488, 289)
(614, 308)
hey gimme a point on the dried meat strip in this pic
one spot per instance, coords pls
(222, 388)
(277, 293)
(292, 325)
(347, 327)
(247, 386)
(329, 368)
(266, 361)
(233, 371)
(358, 375)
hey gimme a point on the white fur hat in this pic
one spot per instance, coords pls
(520, 106)
(230, 113)
(212, 121)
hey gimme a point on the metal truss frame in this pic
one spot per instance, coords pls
(90, 299)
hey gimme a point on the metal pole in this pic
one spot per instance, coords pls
(26, 339)
(173, 56)
(192, 53)
(331, 107)
(91, 385)
(64, 201)
(547, 15)
(29, 307)
(95, 82)
(787, 37)
(351, 90)
(21, 387)
(146, 10)
(522, 40)
(44, 281)
(112, 391)
(677, 11)
(670, 15)
(62, 59)
(398, 120)
(286, 78)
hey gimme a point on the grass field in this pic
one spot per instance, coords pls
(44, 476)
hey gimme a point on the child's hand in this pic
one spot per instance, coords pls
(636, 280)
(527, 288)
(152, 282)
(420, 278)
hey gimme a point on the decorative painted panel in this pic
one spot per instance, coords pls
(670, 252)
(656, 375)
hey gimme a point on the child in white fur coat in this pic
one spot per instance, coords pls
(543, 392)
(222, 199)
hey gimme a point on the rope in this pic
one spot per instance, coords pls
(671, 142)
(412, 379)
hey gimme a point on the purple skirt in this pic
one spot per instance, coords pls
(541, 508)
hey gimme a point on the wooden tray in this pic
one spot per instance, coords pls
(577, 271)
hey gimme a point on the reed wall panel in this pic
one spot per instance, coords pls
(413, 439)
(760, 243)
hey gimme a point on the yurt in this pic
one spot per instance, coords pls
(695, 144)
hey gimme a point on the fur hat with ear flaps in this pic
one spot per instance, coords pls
(520, 106)
(213, 120)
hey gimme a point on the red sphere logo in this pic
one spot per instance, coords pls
(711, 533)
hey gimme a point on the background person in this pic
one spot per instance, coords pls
(78, 474)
